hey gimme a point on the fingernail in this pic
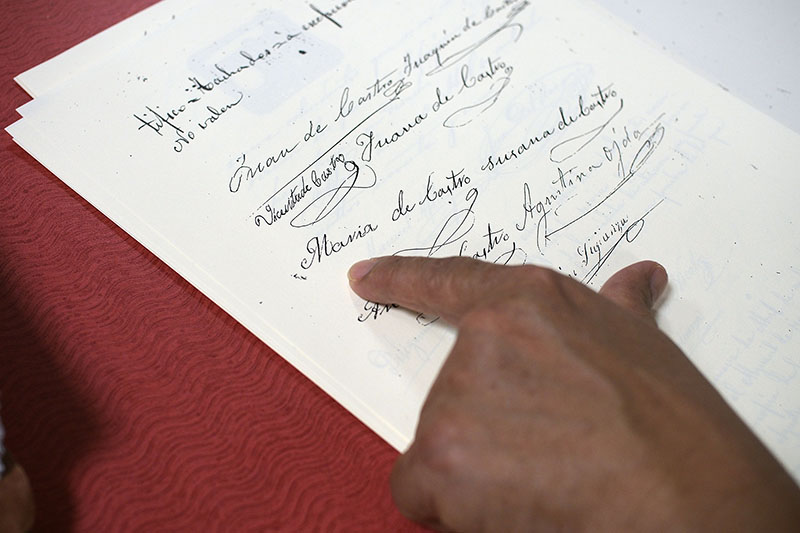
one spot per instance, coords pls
(360, 269)
(658, 282)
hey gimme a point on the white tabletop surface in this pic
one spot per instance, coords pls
(749, 47)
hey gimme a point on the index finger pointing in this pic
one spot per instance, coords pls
(448, 287)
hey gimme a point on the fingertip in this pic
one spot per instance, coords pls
(650, 276)
(658, 281)
(360, 270)
(637, 287)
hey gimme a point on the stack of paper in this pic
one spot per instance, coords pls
(260, 151)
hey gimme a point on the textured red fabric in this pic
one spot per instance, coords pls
(135, 403)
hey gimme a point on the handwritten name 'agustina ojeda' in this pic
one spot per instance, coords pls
(321, 247)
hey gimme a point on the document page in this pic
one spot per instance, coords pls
(260, 149)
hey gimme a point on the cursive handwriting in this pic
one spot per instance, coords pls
(385, 86)
(629, 235)
(155, 120)
(326, 15)
(468, 80)
(591, 251)
(625, 171)
(215, 114)
(324, 204)
(455, 180)
(455, 228)
(373, 310)
(369, 144)
(247, 60)
(498, 248)
(321, 247)
(572, 146)
(245, 172)
(565, 121)
(539, 210)
(509, 25)
(270, 219)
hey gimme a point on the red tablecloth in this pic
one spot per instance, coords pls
(134, 403)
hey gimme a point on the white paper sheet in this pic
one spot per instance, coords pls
(523, 132)
(118, 39)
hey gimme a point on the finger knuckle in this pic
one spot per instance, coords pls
(489, 315)
(442, 447)
(504, 313)
(540, 277)
(555, 288)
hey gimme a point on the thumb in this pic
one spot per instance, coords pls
(637, 288)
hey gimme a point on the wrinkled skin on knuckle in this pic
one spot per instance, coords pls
(513, 305)
(536, 277)
(488, 317)
(550, 290)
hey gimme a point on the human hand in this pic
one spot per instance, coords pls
(16, 499)
(563, 409)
